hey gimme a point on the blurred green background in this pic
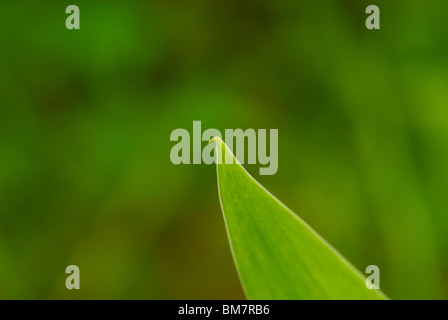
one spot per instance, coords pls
(86, 116)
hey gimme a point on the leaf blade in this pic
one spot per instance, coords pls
(277, 255)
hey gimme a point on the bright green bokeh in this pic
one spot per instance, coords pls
(86, 116)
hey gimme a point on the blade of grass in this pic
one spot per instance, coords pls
(277, 255)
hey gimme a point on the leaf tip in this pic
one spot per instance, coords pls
(216, 138)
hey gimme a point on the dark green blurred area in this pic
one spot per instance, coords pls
(86, 116)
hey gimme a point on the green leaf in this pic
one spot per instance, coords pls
(277, 255)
